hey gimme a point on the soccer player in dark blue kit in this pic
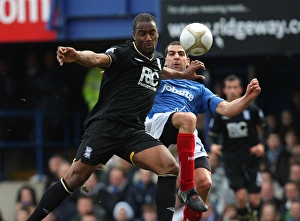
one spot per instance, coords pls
(241, 150)
(172, 119)
(115, 125)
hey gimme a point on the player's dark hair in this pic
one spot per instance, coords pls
(143, 17)
(172, 43)
(233, 77)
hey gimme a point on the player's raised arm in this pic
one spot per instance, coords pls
(236, 106)
(85, 58)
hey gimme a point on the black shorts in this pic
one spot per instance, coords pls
(104, 138)
(202, 162)
(246, 176)
(170, 133)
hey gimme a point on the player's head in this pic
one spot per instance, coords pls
(145, 33)
(176, 57)
(232, 87)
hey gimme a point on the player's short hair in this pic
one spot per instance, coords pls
(233, 77)
(172, 43)
(143, 17)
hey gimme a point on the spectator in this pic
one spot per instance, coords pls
(269, 212)
(26, 199)
(115, 191)
(141, 191)
(294, 214)
(123, 212)
(53, 164)
(22, 214)
(220, 193)
(267, 194)
(276, 158)
(278, 189)
(272, 123)
(291, 193)
(292, 140)
(230, 213)
(85, 205)
(149, 212)
(294, 173)
(91, 189)
(89, 217)
(210, 214)
(287, 120)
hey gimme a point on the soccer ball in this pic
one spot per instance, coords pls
(196, 39)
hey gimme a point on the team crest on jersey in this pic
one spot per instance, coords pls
(149, 78)
(88, 152)
(246, 114)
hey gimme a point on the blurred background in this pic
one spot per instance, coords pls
(43, 105)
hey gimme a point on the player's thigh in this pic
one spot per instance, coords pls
(236, 177)
(254, 178)
(157, 159)
(143, 150)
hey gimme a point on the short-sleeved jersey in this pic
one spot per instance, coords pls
(238, 133)
(128, 86)
(184, 96)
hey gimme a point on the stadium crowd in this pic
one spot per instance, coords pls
(120, 192)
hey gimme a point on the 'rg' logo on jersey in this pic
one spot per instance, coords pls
(149, 79)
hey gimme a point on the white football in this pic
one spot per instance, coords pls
(196, 39)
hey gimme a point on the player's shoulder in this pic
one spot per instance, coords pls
(121, 48)
(157, 54)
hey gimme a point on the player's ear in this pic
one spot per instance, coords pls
(188, 61)
(133, 35)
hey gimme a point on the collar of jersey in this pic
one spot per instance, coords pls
(150, 59)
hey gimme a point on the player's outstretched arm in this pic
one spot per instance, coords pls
(236, 106)
(189, 73)
(85, 58)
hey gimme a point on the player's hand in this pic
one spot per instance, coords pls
(258, 150)
(65, 55)
(253, 89)
(216, 149)
(190, 72)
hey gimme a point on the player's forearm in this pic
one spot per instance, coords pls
(169, 73)
(230, 109)
(87, 58)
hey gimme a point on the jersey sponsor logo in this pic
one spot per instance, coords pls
(149, 79)
(182, 92)
(237, 130)
(88, 152)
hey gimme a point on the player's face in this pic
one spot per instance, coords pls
(232, 90)
(146, 37)
(176, 58)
